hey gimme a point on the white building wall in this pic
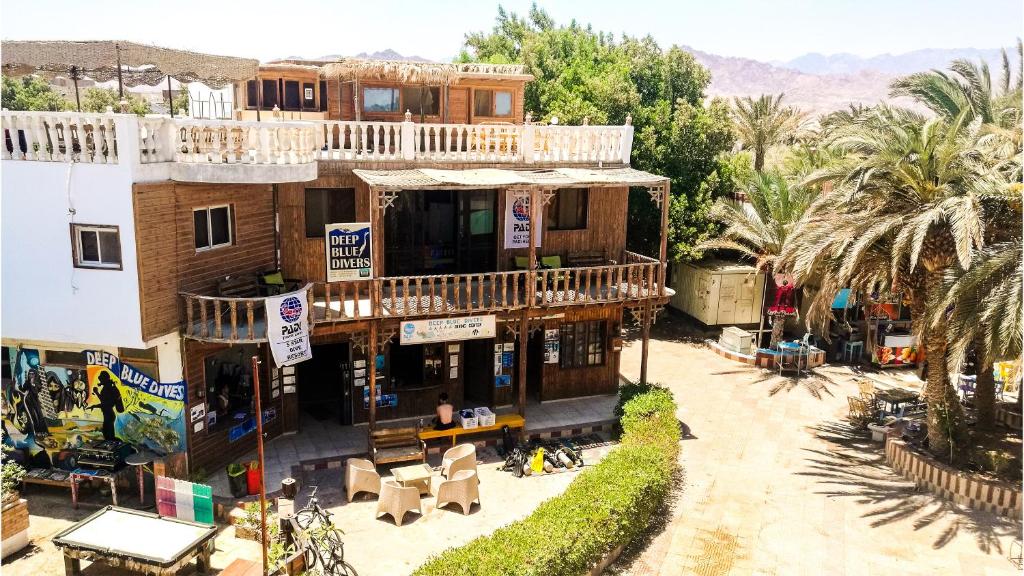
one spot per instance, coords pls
(44, 297)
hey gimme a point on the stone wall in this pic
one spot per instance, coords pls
(961, 487)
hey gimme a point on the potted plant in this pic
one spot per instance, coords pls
(14, 513)
(12, 475)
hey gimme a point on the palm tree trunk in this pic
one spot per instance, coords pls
(778, 326)
(945, 415)
(985, 386)
(759, 159)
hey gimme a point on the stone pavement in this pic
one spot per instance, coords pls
(776, 483)
(323, 440)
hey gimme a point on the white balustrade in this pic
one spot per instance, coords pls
(74, 137)
(59, 137)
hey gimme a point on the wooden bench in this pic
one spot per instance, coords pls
(397, 445)
(588, 258)
(513, 421)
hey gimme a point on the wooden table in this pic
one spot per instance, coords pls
(79, 474)
(141, 542)
(513, 421)
(894, 397)
(417, 475)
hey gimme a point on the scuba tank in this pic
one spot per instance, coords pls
(537, 462)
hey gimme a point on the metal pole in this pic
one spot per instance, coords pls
(170, 95)
(259, 457)
(74, 79)
(120, 82)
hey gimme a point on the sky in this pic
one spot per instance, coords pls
(434, 29)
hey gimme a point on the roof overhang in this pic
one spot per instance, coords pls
(482, 178)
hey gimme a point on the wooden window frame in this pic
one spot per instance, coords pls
(492, 113)
(594, 334)
(76, 246)
(394, 88)
(554, 205)
(305, 209)
(416, 113)
(209, 227)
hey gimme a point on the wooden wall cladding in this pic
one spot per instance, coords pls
(168, 261)
(559, 383)
(304, 258)
(210, 449)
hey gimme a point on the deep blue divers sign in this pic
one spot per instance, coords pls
(348, 252)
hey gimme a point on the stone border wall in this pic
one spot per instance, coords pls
(763, 359)
(1007, 415)
(960, 487)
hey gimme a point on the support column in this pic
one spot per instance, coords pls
(645, 342)
(524, 337)
(531, 289)
(371, 361)
(663, 250)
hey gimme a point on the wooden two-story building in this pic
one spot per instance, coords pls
(498, 269)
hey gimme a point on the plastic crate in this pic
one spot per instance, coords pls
(484, 416)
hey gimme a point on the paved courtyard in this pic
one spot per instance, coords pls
(776, 483)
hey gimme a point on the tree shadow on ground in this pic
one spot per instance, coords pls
(855, 467)
(671, 326)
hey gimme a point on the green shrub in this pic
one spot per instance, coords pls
(607, 505)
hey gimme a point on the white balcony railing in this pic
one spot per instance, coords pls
(77, 137)
(492, 143)
(59, 137)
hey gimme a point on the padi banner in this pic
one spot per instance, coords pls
(288, 328)
(348, 252)
(517, 221)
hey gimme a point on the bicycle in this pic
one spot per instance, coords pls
(320, 539)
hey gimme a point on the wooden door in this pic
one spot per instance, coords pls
(745, 301)
(458, 105)
(727, 299)
(703, 292)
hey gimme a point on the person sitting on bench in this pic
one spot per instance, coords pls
(443, 420)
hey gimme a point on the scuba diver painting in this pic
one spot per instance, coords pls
(110, 404)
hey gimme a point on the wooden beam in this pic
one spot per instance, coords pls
(524, 339)
(531, 289)
(645, 343)
(663, 250)
(371, 361)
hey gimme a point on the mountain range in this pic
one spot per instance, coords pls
(815, 83)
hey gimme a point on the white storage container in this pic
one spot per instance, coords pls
(716, 292)
(736, 340)
(484, 416)
(468, 422)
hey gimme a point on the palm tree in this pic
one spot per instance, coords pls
(908, 192)
(760, 228)
(764, 122)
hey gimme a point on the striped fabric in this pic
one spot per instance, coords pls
(184, 500)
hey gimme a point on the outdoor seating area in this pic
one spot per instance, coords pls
(455, 481)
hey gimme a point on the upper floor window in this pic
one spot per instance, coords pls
(421, 100)
(568, 209)
(582, 344)
(96, 246)
(308, 96)
(213, 227)
(270, 98)
(323, 96)
(380, 100)
(328, 206)
(252, 94)
(292, 98)
(496, 103)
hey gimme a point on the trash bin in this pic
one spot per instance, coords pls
(236, 479)
(252, 477)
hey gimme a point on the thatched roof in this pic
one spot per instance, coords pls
(141, 63)
(420, 72)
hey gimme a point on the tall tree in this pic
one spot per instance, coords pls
(31, 93)
(763, 122)
(909, 190)
(582, 74)
(760, 228)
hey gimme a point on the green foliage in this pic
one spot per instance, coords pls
(11, 473)
(99, 99)
(180, 104)
(606, 506)
(31, 93)
(581, 73)
(764, 122)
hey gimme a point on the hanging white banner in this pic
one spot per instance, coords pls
(288, 328)
(517, 221)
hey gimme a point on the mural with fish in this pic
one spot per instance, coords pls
(51, 410)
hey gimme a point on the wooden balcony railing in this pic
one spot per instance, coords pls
(638, 278)
(226, 319)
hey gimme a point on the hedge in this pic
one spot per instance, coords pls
(606, 506)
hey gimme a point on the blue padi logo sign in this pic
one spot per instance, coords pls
(521, 209)
(291, 309)
(349, 249)
(409, 328)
